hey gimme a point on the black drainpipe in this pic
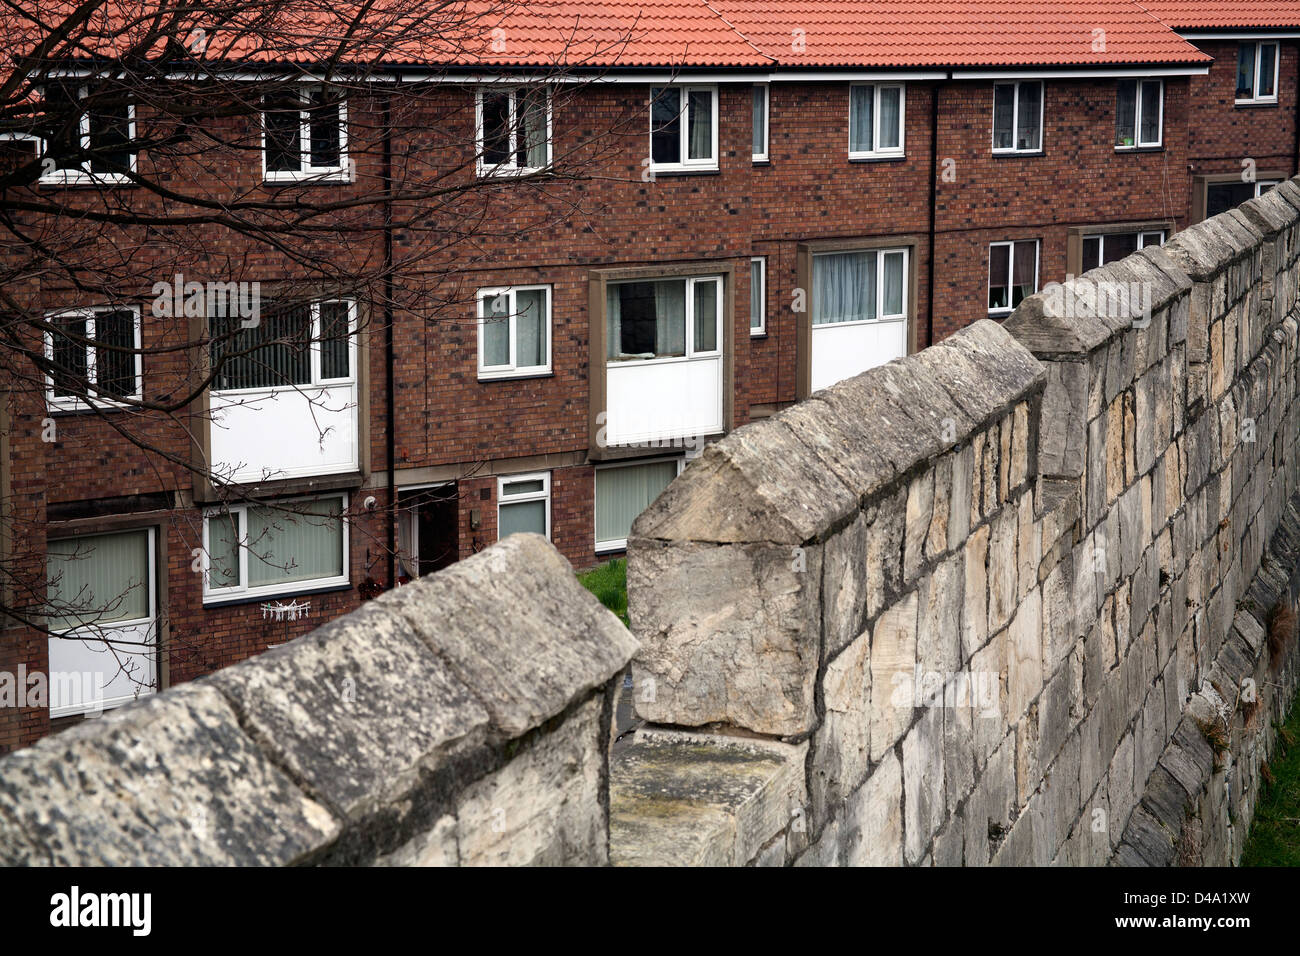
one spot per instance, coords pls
(390, 438)
(934, 186)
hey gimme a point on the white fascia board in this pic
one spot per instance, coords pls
(1104, 73)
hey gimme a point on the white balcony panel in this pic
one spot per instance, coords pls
(284, 433)
(87, 674)
(843, 349)
(658, 400)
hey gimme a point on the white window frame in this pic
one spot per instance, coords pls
(1103, 236)
(151, 619)
(876, 152)
(881, 315)
(1277, 59)
(761, 262)
(684, 129)
(72, 403)
(510, 168)
(317, 378)
(522, 497)
(691, 353)
(512, 369)
(1015, 119)
(763, 157)
(1137, 116)
(342, 173)
(243, 591)
(620, 544)
(1011, 271)
(84, 176)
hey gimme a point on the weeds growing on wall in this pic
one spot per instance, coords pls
(1275, 833)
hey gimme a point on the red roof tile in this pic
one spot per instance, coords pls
(1209, 14)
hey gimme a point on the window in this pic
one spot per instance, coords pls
(1257, 72)
(1013, 273)
(1018, 117)
(524, 504)
(304, 136)
(859, 286)
(760, 123)
(875, 121)
(664, 319)
(623, 492)
(1220, 197)
(684, 127)
(94, 354)
(1113, 246)
(514, 331)
(277, 548)
(101, 589)
(514, 130)
(88, 139)
(291, 345)
(758, 296)
(1139, 108)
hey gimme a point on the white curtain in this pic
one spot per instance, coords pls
(893, 279)
(844, 287)
(757, 293)
(670, 317)
(297, 542)
(623, 493)
(890, 105)
(760, 121)
(496, 330)
(1029, 133)
(530, 350)
(701, 124)
(98, 579)
(706, 316)
(534, 152)
(860, 118)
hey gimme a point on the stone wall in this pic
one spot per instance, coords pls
(463, 719)
(998, 601)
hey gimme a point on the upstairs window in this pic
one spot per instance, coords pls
(95, 358)
(257, 550)
(514, 131)
(683, 128)
(1013, 274)
(875, 121)
(1257, 72)
(514, 331)
(1018, 117)
(867, 286)
(758, 296)
(1113, 246)
(305, 136)
(664, 319)
(760, 113)
(1139, 113)
(306, 344)
(88, 137)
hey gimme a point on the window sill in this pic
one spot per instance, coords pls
(513, 376)
(675, 171)
(758, 334)
(611, 547)
(1017, 154)
(1254, 104)
(323, 178)
(512, 172)
(77, 407)
(1140, 149)
(761, 161)
(881, 158)
(79, 180)
(233, 600)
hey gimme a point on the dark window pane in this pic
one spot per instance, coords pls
(1126, 113)
(666, 126)
(334, 359)
(326, 129)
(1004, 98)
(275, 352)
(110, 129)
(62, 127)
(1091, 253)
(1150, 132)
(283, 125)
(1029, 118)
(1267, 65)
(533, 150)
(999, 276)
(1245, 71)
(496, 128)
(69, 354)
(1025, 279)
(114, 353)
(1118, 245)
(1220, 197)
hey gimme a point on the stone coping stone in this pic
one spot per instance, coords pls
(696, 799)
